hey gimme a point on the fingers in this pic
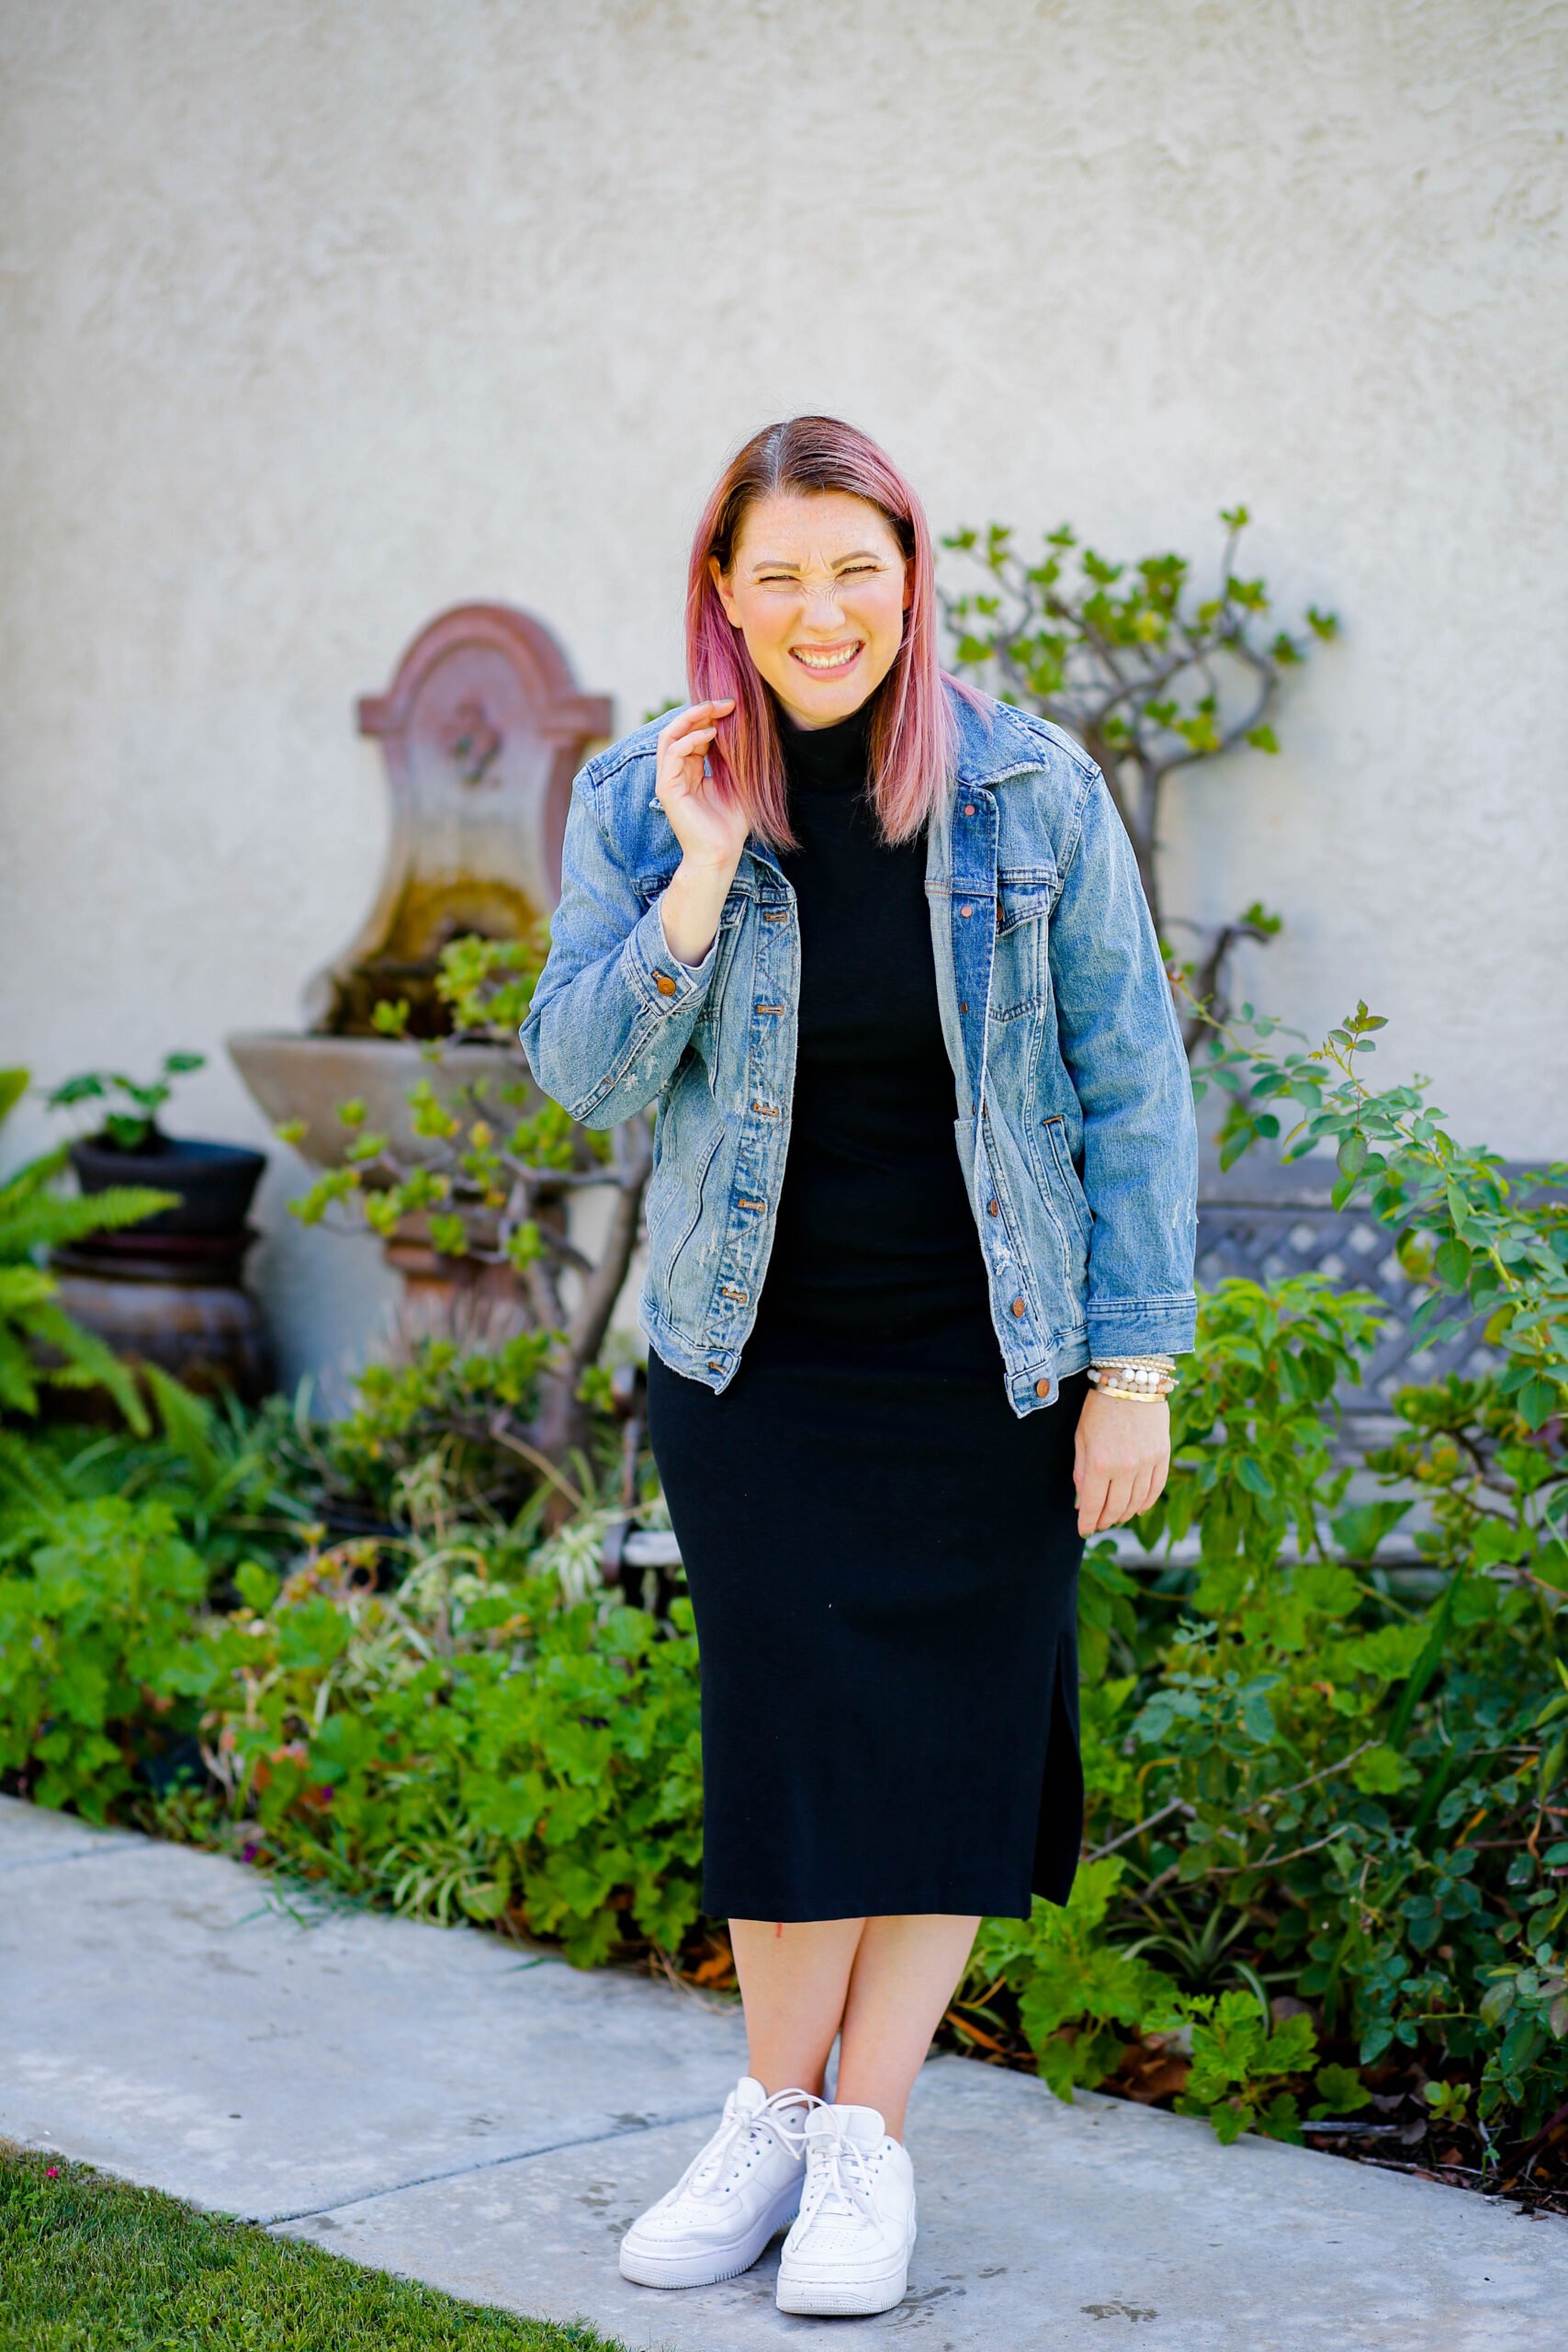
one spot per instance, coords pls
(685, 738)
(1151, 1486)
(1111, 1491)
(697, 713)
(682, 747)
(1118, 1501)
(1091, 1485)
(1143, 1493)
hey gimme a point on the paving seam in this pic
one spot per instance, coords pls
(76, 1854)
(484, 2163)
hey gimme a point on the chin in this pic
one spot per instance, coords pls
(826, 700)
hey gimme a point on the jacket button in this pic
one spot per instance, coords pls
(1043, 1388)
(969, 808)
(1019, 1306)
(965, 910)
(991, 1209)
(963, 1005)
(664, 984)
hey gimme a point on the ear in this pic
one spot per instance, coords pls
(725, 598)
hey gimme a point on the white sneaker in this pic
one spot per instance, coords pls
(848, 2250)
(739, 2191)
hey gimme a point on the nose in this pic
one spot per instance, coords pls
(824, 606)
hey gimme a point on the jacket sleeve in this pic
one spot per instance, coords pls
(1124, 1052)
(613, 1008)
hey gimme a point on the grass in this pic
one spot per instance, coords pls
(90, 2264)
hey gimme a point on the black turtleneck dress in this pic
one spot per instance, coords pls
(882, 1556)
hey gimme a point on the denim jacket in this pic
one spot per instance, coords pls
(1072, 1116)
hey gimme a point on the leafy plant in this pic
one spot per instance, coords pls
(1242, 2063)
(101, 1656)
(1077, 1994)
(133, 1130)
(1150, 678)
(1484, 1245)
(40, 1345)
(1252, 1419)
(469, 1744)
(501, 1165)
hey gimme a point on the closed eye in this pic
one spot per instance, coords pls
(785, 579)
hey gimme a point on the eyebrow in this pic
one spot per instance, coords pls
(787, 563)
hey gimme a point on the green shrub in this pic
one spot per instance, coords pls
(471, 1744)
(101, 1656)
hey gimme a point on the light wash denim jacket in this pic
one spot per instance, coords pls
(1073, 1110)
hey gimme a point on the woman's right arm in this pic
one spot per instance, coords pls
(613, 1007)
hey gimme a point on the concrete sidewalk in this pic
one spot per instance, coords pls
(439, 2104)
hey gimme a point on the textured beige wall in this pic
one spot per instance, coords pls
(318, 315)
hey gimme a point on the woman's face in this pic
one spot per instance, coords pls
(817, 588)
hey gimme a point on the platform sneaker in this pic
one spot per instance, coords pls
(849, 2249)
(742, 2188)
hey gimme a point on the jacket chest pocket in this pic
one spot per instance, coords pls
(1021, 974)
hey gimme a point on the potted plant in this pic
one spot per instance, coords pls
(215, 1182)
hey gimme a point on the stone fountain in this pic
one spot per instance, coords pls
(481, 729)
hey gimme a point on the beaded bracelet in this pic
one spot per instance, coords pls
(1142, 1380)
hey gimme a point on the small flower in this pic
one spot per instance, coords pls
(52, 2172)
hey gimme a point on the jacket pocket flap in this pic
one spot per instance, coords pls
(1023, 896)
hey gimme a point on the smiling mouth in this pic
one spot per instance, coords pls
(827, 660)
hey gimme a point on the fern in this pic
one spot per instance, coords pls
(34, 1219)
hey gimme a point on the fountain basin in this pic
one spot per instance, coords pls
(296, 1074)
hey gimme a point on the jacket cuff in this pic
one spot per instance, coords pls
(1143, 1327)
(659, 981)
(694, 971)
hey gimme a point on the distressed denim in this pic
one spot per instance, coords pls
(1072, 1116)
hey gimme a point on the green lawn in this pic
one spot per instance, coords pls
(89, 2264)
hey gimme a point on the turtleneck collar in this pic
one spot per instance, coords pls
(827, 759)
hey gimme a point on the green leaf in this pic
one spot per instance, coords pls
(1359, 1530)
(1539, 1400)
(256, 1585)
(1380, 1772)
(1258, 1717)
(1340, 2091)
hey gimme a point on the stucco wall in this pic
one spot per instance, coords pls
(319, 315)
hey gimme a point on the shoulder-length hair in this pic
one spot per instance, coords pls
(913, 735)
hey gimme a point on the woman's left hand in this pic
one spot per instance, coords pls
(1120, 1459)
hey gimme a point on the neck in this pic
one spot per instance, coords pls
(835, 754)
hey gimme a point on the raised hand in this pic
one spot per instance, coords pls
(712, 833)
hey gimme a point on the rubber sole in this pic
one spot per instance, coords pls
(715, 2264)
(844, 2298)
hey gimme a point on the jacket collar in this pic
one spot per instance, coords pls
(994, 743)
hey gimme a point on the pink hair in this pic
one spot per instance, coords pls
(913, 736)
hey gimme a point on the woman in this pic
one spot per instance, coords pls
(920, 1239)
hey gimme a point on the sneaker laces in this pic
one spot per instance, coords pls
(705, 2175)
(838, 2183)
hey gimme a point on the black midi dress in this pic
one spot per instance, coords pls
(881, 1557)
